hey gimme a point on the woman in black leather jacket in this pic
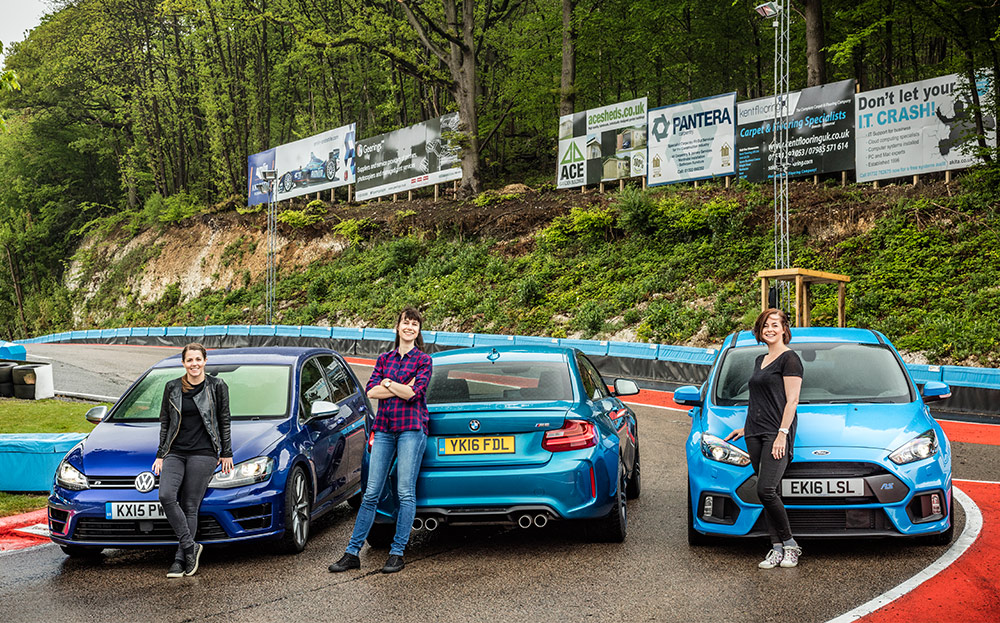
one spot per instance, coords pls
(194, 439)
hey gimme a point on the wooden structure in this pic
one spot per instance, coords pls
(802, 278)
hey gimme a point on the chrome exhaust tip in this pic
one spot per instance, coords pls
(541, 519)
(418, 523)
(430, 524)
(524, 521)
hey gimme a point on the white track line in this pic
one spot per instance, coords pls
(973, 526)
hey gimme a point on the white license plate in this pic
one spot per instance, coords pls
(133, 510)
(822, 487)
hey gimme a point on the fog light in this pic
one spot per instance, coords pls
(935, 504)
(709, 504)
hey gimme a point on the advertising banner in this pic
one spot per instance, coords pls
(263, 161)
(602, 144)
(820, 132)
(917, 127)
(420, 155)
(692, 141)
(316, 163)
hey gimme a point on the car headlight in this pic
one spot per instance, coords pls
(722, 451)
(243, 474)
(69, 477)
(918, 448)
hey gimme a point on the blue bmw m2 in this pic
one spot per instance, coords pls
(869, 460)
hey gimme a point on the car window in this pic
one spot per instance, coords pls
(499, 382)
(831, 373)
(341, 382)
(592, 381)
(312, 388)
(254, 392)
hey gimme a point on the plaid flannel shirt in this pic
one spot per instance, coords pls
(395, 414)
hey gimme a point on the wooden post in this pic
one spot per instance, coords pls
(841, 312)
(947, 177)
(727, 181)
(798, 300)
(916, 180)
(394, 197)
(409, 195)
(350, 189)
(435, 192)
(602, 188)
(583, 188)
(644, 182)
(815, 180)
(621, 184)
(805, 306)
(843, 178)
(696, 183)
(875, 184)
(454, 186)
(763, 293)
(331, 195)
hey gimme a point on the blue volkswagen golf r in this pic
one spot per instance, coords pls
(869, 460)
(299, 420)
(523, 436)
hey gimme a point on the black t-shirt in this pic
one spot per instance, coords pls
(767, 395)
(192, 436)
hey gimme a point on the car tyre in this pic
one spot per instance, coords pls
(381, 535)
(286, 183)
(297, 512)
(695, 538)
(330, 170)
(634, 487)
(613, 528)
(81, 551)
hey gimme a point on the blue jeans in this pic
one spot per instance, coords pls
(408, 448)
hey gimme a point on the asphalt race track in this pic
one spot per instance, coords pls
(510, 575)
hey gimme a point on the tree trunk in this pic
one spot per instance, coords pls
(567, 78)
(15, 279)
(463, 68)
(815, 42)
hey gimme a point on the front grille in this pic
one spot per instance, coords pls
(106, 530)
(834, 521)
(882, 487)
(834, 469)
(115, 482)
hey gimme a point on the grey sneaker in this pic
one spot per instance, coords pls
(791, 556)
(191, 559)
(773, 559)
(176, 569)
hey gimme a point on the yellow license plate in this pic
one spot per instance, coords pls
(476, 445)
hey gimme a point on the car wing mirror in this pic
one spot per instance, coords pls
(688, 396)
(321, 409)
(626, 387)
(935, 390)
(96, 415)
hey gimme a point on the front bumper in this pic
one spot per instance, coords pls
(736, 512)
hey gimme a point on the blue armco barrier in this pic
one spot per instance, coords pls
(534, 340)
(988, 378)
(123, 332)
(242, 330)
(93, 334)
(320, 332)
(349, 333)
(262, 329)
(284, 330)
(195, 332)
(686, 354)
(922, 374)
(588, 347)
(108, 333)
(448, 338)
(489, 339)
(215, 329)
(79, 335)
(176, 332)
(379, 335)
(632, 349)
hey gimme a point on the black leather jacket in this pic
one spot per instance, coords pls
(212, 403)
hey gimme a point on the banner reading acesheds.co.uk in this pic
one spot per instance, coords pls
(309, 165)
(602, 144)
(917, 127)
(692, 141)
(820, 132)
(401, 160)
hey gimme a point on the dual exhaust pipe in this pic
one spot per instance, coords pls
(527, 521)
(430, 524)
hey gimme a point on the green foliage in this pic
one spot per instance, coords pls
(491, 197)
(355, 230)
(313, 213)
(235, 251)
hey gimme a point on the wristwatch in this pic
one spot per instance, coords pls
(386, 383)
(783, 430)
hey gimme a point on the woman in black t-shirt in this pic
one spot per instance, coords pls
(770, 429)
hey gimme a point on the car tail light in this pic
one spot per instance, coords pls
(574, 435)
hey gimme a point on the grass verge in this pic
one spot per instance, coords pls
(43, 416)
(17, 503)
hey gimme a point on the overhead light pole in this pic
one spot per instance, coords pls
(267, 186)
(780, 20)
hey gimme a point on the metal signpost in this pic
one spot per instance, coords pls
(268, 186)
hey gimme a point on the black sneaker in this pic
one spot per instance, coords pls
(347, 561)
(176, 569)
(394, 564)
(191, 558)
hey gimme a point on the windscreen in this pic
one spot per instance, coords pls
(254, 392)
(831, 373)
(509, 381)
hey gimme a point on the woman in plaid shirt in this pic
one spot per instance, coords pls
(399, 382)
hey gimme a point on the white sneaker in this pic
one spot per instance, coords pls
(791, 556)
(774, 558)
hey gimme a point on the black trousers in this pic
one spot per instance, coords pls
(183, 482)
(769, 471)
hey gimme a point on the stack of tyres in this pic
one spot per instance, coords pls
(32, 381)
(7, 379)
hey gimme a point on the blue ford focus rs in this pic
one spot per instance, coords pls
(869, 460)
(299, 420)
(523, 436)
